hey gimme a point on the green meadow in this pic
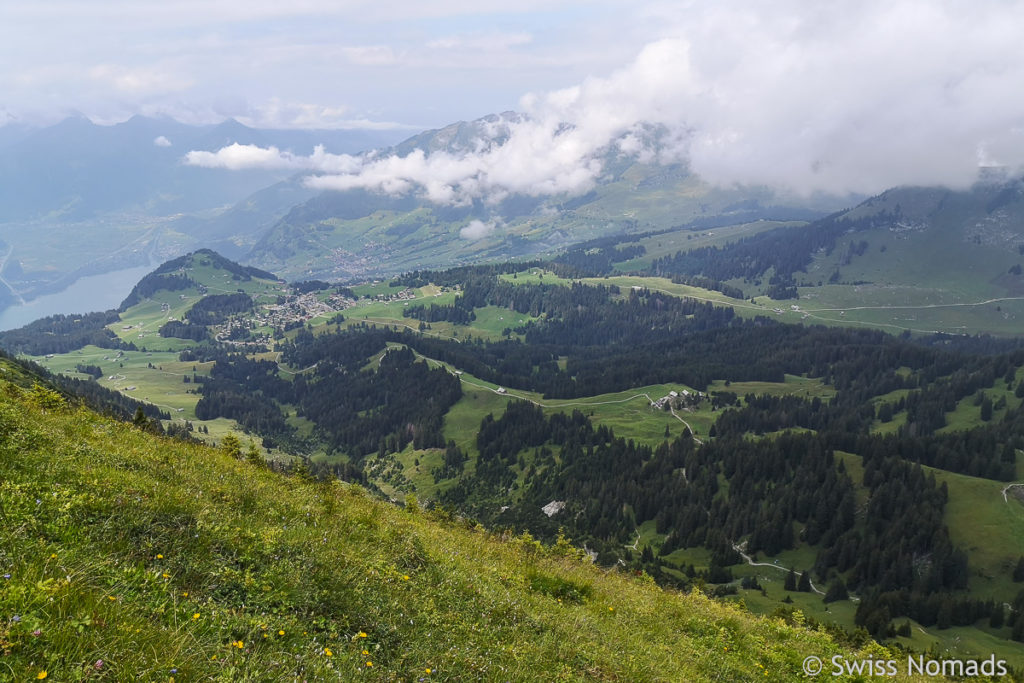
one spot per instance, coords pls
(127, 556)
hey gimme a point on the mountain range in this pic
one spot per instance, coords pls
(125, 194)
(79, 198)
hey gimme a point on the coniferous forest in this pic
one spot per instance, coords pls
(774, 473)
(768, 480)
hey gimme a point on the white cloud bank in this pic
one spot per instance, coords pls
(803, 97)
(236, 157)
(161, 141)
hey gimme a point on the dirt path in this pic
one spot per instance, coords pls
(1006, 488)
(780, 568)
(392, 321)
(577, 403)
(692, 433)
(914, 308)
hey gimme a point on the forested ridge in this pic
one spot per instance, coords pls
(356, 412)
(63, 333)
(771, 493)
(169, 276)
(781, 255)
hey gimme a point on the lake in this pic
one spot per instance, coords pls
(87, 294)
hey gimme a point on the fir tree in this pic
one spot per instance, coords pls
(997, 617)
(231, 446)
(1018, 571)
(836, 591)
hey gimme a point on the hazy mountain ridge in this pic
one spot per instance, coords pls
(327, 235)
(78, 198)
(77, 169)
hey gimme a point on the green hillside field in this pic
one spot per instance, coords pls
(126, 556)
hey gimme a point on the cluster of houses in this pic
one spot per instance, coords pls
(678, 399)
(292, 311)
(298, 308)
(403, 295)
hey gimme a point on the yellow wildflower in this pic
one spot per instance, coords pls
(196, 615)
(369, 664)
(41, 675)
(167, 576)
(362, 635)
(428, 670)
(111, 598)
(366, 652)
(405, 577)
(327, 651)
(159, 556)
(280, 633)
(239, 644)
(185, 594)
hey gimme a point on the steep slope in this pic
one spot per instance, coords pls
(921, 259)
(130, 556)
(927, 259)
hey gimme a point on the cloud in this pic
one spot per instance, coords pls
(162, 141)
(481, 41)
(825, 98)
(477, 229)
(237, 157)
(371, 55)
(279, 114)
(139, 80)
(804, 97)
(559, 146)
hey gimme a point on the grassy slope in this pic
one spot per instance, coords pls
(936, 276)
(155, 556)
(145, 318)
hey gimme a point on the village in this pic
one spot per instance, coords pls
(292, 311)
(287, 313)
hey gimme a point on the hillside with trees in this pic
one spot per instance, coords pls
(191, 563)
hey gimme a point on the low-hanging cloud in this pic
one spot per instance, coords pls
(799, 96)
(236, 157)
(477, 229)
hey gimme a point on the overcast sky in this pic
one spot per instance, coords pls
(833, 96)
